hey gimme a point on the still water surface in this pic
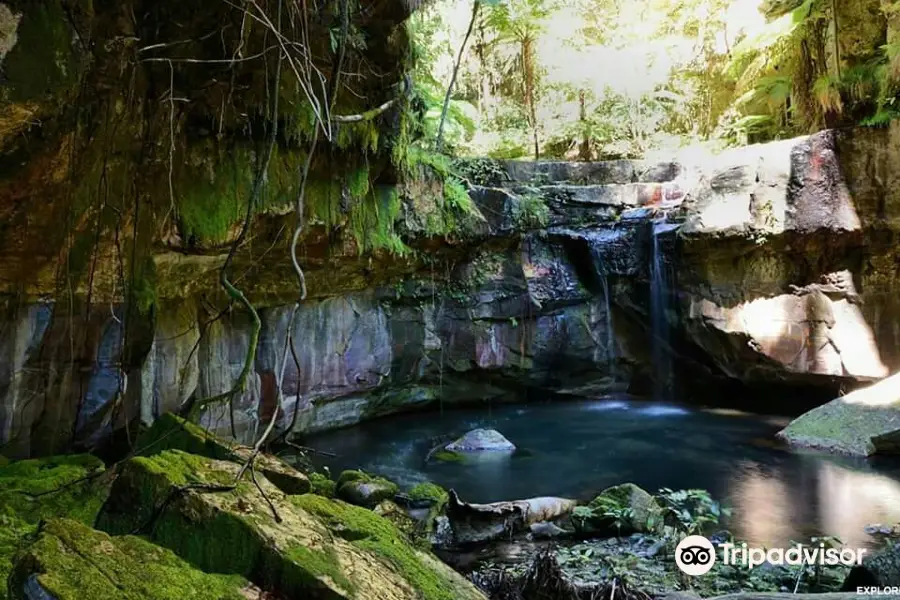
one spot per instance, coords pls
(576, 449)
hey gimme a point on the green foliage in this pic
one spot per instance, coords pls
(693, 511)
(728, 80)
(531, 212)
(372, 221)
(480, 171)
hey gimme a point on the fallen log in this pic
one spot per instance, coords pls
(478, 523)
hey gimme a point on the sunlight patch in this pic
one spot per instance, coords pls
(9, 23)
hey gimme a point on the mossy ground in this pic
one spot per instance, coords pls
(33, 490)
(317, 544)
(74, 562)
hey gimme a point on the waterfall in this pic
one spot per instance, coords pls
(659, 304)
(610, 336)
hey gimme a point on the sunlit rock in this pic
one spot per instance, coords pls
(862, 423)
(481, 440)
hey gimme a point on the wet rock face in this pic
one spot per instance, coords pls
(776, 267)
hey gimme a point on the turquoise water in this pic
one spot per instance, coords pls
(576, 449)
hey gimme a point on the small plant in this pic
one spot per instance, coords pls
(693, 511)
(480, 171)
(531, 212)
(620, 516)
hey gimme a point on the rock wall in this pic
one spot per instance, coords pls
(764, 266)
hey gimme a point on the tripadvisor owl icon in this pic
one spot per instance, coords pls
(695, 555)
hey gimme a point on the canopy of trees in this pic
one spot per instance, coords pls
(595, 79)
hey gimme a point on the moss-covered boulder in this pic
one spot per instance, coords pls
(363, 489)
(621, 510)
(170, 432)
(321, 485)
(429, 494)
(70, 561)
(32, 490)
(862, 423)
(315, 546)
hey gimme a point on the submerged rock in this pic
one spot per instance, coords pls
(70, 561)
(481, 440)
(862, 423)
(300, 546)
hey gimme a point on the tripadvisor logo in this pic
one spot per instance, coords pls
(696, 555)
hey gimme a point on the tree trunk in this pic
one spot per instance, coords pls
(585, 151)
(462, 48)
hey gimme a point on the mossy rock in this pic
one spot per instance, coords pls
(362, 489)
(447, 456)
(316, 547)
(70, 561)
(429, 492)
(852, 425)
(37, 489)
(171, 432)
(621, 510)
(322, 485)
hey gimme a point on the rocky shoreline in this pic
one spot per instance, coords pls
(189, 515)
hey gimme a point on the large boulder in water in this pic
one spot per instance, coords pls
(481, 440)
(862, 423)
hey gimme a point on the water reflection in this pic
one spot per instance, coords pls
(578, 449)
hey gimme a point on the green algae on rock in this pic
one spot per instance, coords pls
(172, 432)
(70, 561)
(315, 546)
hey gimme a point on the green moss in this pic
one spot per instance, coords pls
(352, 475)
(430, 492)
(74, 562)
(373, 533)
(172, 432)
(372, 221)
(320, 563)
(42, 61)
(447, 456)
(33, 490)
(322, 485)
